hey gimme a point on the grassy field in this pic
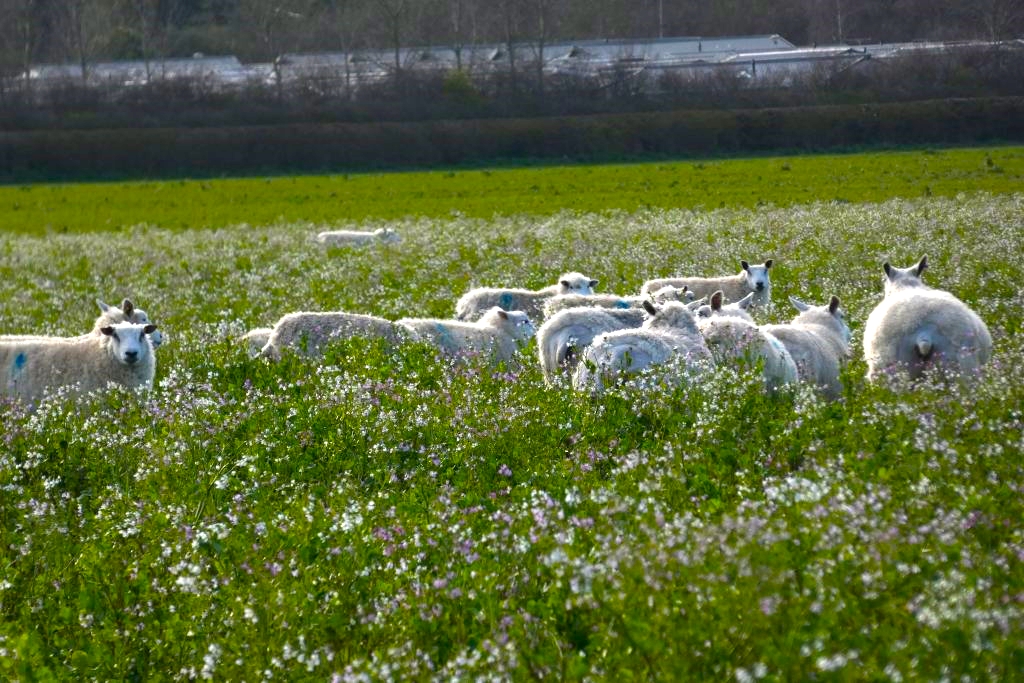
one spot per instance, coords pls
(389, 515)
(781, 181)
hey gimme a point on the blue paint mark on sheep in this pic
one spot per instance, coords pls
(19, 363)
(443, 333)
(621, 303)
(506, 301)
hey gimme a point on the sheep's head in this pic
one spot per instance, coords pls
(757, 278)
(128, 342)
(127, 312)
(829, 315)
(672, 315)
(387, 235)
(576, 283)
(516, 323)
(670, 293)
(896, 278)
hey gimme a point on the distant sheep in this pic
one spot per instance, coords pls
(121, 354)
(475, 302)
(308, 333)
(498, 333)
(733, 338)
(669, 334)
(347, 238)
(562, 302)
(818, 339)
(918, 330)
(751, 279)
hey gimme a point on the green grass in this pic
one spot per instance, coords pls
(389, 514)
(329, 200)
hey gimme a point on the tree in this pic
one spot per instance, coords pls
(83, 27)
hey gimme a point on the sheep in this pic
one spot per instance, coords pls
(818, 339)
(562, 302)
(475, 302)
(345, 238)
(571, 329)
(751, 279)
(308, 333)
(109, 315)
(733, 337)
(717, 308)
(670, 333)
(498, 332)
(121, 353)
(255, 339)
(919, 330)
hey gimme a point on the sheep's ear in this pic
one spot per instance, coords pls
(797, 304)
(128, 308)
(502, 313)
(685, 293)
(921, 265)
(103, 307)
(746, 301)
(746, 266)
(696, 306)
(565, 283)
(704, 312)
(593, 283)
(108, 330)
(833, 304)
(649, 307)
(768, 264)
(716, 300)
(888, 269)
(149, 329)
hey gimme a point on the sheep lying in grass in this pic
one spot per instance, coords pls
(347, 238)
(255, 339)
(751, 279)
(917, 330)
(716, 307)
(733, 338)
(475, 302)
(564, 334)
(498, 333)
(307, 333)
(563, 302)
(121, 353)
(109, 315)
(670, 333)
(818, 339)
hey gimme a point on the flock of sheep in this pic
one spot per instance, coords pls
(695, 323)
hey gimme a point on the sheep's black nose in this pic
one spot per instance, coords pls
(760, 286)
(131, 356)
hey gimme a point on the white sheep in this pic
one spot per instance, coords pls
(670, 333)
(255, 339)
(733, 338)
(564, 334)
(476, 301)
(563, 302)
(121, 354)
(751, 279)
(307, 333)
(818, 339)
(717, 308)
(917, 330)
(498, 333)
(109, 315)
(346, 238)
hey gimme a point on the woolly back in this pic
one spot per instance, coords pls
(673, 317)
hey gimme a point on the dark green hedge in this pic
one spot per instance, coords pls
(81, 154)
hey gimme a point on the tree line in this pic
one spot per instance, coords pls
(85, 31)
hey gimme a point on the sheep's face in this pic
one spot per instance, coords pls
(898, 278)
(757, 276)
(387, 235)
(577, 283)
(518, 324)
(128, 313)
(128, 342)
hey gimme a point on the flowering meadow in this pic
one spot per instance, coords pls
(389, 515)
